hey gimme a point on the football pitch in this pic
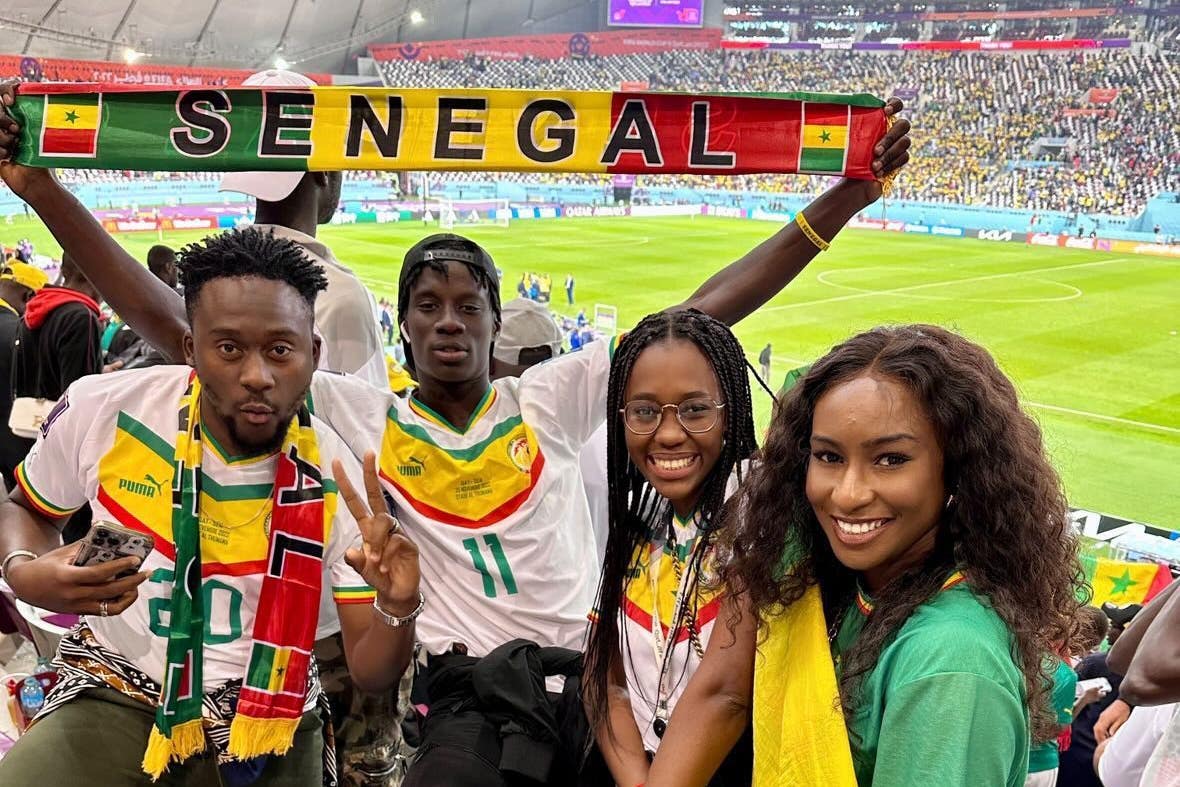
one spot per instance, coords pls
(1091, 339)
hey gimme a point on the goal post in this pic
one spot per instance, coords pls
(473, 213)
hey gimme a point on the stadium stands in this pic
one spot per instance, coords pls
(991, 129)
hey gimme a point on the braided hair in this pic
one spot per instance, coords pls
(637, 512)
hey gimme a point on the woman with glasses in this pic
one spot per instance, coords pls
(679, 430)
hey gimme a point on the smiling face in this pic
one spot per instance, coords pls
(252, 345)
(875, 477)
(674, 461)
(450, 325)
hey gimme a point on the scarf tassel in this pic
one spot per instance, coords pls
(251, 737)
(188, 738)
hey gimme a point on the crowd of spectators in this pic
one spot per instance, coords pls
(981, 120)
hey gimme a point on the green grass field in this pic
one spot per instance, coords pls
(1091, 339)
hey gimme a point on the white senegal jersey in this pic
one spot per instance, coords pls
(111, 442)
(496, 507)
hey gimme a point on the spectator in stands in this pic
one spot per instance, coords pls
(292, 205)
(1096, 721)
(57, 342)
(127, 350)
(119, 712)
(19, 282)
(528, 336)
(940, 678)
(1146, 654)
(677, 450)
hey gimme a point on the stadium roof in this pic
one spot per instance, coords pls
(313, 35)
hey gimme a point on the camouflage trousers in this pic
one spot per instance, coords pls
(370, 750)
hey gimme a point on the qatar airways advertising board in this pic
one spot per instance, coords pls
(655, 13)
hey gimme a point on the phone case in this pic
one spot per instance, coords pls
(106, 542)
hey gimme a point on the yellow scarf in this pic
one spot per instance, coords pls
(799, 735)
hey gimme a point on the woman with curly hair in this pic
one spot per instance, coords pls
(902, 479)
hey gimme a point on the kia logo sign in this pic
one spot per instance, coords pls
(995, 235)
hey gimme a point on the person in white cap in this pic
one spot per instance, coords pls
(292, 205)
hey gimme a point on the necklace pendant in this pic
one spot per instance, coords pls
(660, 725)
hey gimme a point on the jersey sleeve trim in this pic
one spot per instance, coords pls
(38, 501)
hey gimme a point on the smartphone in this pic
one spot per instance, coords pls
(107, 541)
(1085, 685)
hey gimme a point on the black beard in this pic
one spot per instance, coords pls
(268, 446)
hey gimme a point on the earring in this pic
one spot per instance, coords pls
(949, 499)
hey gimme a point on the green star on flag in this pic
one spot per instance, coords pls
(72, 116)
(1120, 585)
(825, 136)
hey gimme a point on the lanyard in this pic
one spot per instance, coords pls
(662, 645)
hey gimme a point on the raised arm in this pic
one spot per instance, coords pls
(1153, 677)
(743, 286)
(148, 305)
(715, 707)
(1122, 651)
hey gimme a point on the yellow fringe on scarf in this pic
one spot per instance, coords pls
(887, 181)
(187, 739)
(799, 735)
(251, 737)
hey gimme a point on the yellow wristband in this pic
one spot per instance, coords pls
(811, 234)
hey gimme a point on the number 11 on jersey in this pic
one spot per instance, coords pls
(477, 559)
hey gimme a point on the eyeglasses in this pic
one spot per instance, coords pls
(642, 417)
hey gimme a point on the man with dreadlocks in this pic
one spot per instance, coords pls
(484, 475)
(224, 468)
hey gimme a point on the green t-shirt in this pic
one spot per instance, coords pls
(1044, 756)
(945, 703)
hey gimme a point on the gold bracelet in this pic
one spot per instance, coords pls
(811, 234)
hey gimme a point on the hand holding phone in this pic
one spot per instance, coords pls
(105, 585)
(107, 541)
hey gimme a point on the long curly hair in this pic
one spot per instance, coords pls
(636, 510)
(1007, 529)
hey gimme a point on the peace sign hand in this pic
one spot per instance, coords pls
(388, 561)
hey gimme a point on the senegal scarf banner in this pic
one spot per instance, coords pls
(1124, 582)
(343, 128)
(274, 686)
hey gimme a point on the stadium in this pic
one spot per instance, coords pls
(1038, 215)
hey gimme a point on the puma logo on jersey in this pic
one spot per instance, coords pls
(414, 469)
(149, 487)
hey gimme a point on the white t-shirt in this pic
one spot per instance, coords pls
(592, 462)
(111, 442)
(1126, 757)
(344, 315)
(497, 508)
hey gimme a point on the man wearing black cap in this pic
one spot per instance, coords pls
(484, 476)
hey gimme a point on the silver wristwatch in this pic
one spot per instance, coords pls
(393, 620)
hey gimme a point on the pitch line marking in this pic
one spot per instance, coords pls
(1075, 292)
(1100, 417)
(928, 285)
